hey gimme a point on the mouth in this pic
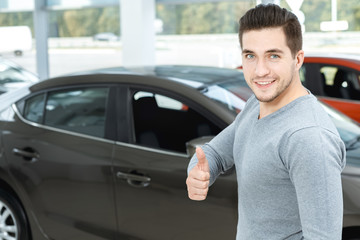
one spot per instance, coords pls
(264, 83)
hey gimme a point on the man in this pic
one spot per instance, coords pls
(287, 152)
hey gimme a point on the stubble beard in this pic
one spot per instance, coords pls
(278, 91)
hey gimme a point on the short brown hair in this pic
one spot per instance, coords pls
(269, 16)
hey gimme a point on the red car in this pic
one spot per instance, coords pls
(335, 79)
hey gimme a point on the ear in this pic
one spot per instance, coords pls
(299, 58)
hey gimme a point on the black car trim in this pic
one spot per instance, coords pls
(122, 123)
(111, 115)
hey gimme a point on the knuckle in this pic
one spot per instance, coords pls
(205, 185)
(204, 176)
(187, 181)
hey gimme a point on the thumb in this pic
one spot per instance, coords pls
(202, 161)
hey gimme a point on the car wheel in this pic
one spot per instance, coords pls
(13, 221)
(18, 53)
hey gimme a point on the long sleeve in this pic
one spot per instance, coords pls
(315, 158)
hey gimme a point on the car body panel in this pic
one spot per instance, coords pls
(350, 61)
(144, 210)
(62, 191)
(348, 107)
(351, 188)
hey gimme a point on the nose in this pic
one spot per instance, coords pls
(262, 69)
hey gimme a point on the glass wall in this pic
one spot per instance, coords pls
(192, 33)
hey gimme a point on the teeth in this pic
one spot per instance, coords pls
(263, 83)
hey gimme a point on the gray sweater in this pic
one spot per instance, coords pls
(288, 167)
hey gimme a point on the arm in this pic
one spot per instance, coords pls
(315, 158)
(209, 162)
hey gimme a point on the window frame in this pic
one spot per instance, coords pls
(109, 106)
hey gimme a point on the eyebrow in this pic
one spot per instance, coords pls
(246, 51)
(274, 50)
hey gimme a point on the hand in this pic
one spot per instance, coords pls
(199, 178)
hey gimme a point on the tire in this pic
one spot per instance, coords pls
(13, 221)
(18, 53)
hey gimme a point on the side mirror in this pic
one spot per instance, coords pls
(197, 142)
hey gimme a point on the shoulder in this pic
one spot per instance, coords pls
(311, 134)
(312, 145)
(307, 113)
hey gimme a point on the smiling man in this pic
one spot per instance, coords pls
(287, 153)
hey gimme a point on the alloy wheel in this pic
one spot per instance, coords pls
(8, 224)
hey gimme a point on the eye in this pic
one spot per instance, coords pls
(274, 56)
(249, 56)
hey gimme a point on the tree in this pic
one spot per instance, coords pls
(201, 18)
(195, 18)
(17, 19)
(357, 18)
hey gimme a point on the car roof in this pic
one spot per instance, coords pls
(191, 76)
(343, 59)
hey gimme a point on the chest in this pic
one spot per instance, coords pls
(256, 155)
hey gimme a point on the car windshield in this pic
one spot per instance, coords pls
(233, 94)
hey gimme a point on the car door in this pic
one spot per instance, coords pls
(59, 155)
(151, 194)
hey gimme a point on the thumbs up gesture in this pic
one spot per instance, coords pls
(199, 178)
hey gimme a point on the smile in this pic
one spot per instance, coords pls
(264, 83)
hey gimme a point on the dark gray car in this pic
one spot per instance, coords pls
(103, 155)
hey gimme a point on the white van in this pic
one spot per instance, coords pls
(15, 39)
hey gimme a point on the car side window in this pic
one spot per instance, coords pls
(34, 108)
(340, 83)
(80, 110)
(165, 123)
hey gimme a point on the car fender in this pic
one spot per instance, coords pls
(8, 183)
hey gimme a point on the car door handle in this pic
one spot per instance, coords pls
(28, 154)
(134, 179)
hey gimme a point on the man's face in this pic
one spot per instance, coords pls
(268, 64)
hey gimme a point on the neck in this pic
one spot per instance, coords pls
(286, 97)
